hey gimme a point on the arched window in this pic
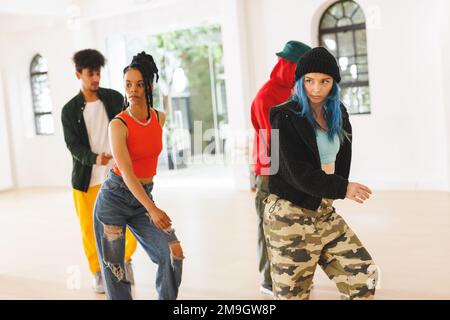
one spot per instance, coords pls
(40, 90)
(343, 31)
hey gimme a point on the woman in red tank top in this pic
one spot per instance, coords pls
(125, 199)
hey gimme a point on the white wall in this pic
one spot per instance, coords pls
(402, 143)
(30, 7)
(444, 30)
(237, 68)
(181, 15)
(40, 160)
(6, 181)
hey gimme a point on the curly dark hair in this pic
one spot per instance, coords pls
(88, 58)
(147, 66)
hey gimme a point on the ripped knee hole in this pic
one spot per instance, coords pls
(176, 250)
(112, 232)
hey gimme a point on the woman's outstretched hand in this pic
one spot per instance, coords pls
(358, 192)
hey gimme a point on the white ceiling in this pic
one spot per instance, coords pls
(22, 15)
(12, 23)
(35, 8)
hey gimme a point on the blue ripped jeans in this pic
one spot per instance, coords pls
(116, 208)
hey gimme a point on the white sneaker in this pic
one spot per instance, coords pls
(129, 272)
(266, 289)
(97, 283)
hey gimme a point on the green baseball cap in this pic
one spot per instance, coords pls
(293, 51)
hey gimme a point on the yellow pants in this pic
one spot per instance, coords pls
(84, 205)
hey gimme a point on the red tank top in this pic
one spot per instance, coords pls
(144, 145)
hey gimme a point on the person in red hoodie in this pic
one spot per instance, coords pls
(274, 92)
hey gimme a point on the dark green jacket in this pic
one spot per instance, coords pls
(76, 136)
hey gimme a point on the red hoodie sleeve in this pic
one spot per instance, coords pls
(274, 92)
(260, 112)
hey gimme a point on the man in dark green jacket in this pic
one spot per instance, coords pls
(85, 120)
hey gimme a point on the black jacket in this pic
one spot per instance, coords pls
(76, 136)
(300, 178)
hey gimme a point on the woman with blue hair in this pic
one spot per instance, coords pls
(312, 157)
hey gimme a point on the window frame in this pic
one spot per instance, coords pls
(343, 29)
(38, 114)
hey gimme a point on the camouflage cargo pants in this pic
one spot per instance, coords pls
(263, 260)
(298, 239)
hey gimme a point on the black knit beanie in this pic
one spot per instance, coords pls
(318, 60)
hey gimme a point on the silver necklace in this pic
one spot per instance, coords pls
(137, 120)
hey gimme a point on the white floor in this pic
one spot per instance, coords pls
(407, 234)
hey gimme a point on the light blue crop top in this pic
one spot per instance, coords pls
(327, 149)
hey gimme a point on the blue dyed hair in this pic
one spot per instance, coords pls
(333, 114)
